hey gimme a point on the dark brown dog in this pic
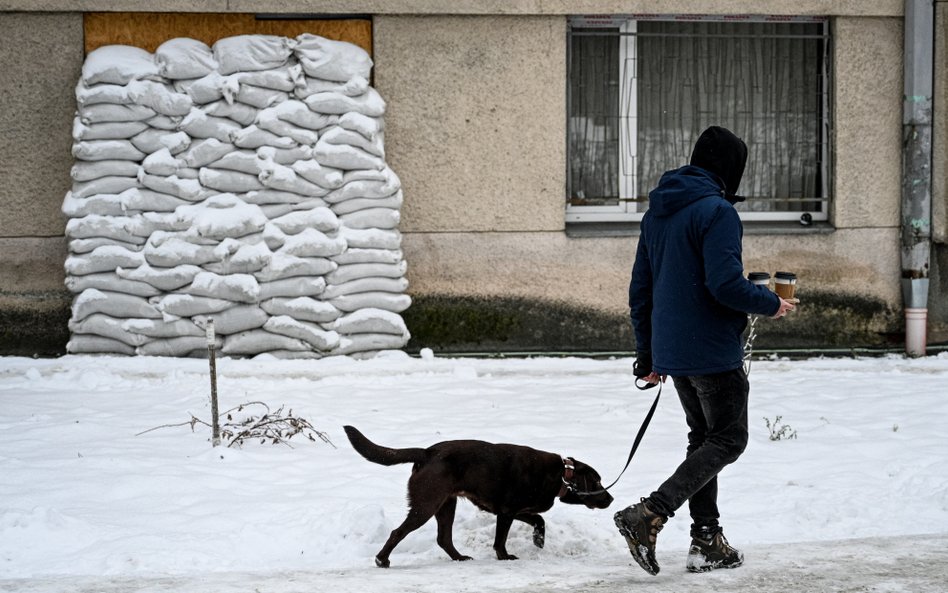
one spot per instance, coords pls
(510, 481)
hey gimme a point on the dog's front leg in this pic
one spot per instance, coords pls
(500, 537)
(539, 527)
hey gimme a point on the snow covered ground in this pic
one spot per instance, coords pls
(858, 501)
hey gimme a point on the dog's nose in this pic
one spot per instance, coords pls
(600, 501)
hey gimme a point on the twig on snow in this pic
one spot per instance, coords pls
(275, 427)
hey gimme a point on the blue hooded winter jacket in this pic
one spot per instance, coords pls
(688, 297)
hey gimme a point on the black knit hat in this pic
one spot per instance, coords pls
(724, 154)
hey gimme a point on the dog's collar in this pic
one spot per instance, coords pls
(569, 469)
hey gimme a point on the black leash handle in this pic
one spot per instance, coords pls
(638, 437)
(644, 386)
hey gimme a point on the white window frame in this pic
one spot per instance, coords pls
(628, 210)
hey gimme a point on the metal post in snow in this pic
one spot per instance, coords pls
(212, 358)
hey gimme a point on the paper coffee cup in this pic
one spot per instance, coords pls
(785, 284)
(759, 278)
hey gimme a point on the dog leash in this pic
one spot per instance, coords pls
(638, 437)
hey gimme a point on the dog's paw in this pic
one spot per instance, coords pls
(539, 536)
(462, 558)
(382, 563)
(506, 557)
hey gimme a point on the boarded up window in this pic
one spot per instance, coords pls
(148, 30)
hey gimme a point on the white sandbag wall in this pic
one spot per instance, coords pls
(245, 183)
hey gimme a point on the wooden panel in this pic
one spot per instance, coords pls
(148, 30)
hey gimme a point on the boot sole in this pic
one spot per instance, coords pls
(710, 567)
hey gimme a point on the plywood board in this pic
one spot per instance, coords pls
(148, 30)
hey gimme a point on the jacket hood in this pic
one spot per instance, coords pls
(681, 187)
(719, 151)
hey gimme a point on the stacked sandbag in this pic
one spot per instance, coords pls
(244, 183)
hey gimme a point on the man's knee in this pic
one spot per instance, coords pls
(733, 446)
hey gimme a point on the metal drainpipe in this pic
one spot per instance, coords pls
(917, 171)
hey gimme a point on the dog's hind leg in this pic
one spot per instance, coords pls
(417, 516)
(539, 527)
(500, 537)
(445, 518)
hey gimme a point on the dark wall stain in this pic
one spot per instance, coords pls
(35, 324)
(482, 325)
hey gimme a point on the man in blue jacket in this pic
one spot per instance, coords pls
(689, 302)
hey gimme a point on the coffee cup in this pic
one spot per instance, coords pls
(785, 285)
(759, 278)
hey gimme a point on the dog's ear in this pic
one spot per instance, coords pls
(588, 471)
(588, 480)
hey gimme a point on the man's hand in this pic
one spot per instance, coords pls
(654, 378)
(642, 369)
(785, 307)
(650, 380)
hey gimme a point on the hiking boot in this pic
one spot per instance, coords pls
(709, 550)
(640, 527)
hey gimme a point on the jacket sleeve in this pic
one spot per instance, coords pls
(640, 299)
(724, 269)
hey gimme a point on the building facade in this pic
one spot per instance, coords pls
(526, 136)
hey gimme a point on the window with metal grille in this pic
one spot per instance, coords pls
(641, 90)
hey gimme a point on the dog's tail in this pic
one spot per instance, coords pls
(379, 454)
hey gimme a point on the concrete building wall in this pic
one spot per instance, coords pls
(40, 57)
(476, 131)
(40, 65)
(474, 7)
(476, 122)
(938, 291)
(481, 235)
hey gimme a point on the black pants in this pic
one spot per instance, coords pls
(716, 411)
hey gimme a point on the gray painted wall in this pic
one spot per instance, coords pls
(40, 57)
